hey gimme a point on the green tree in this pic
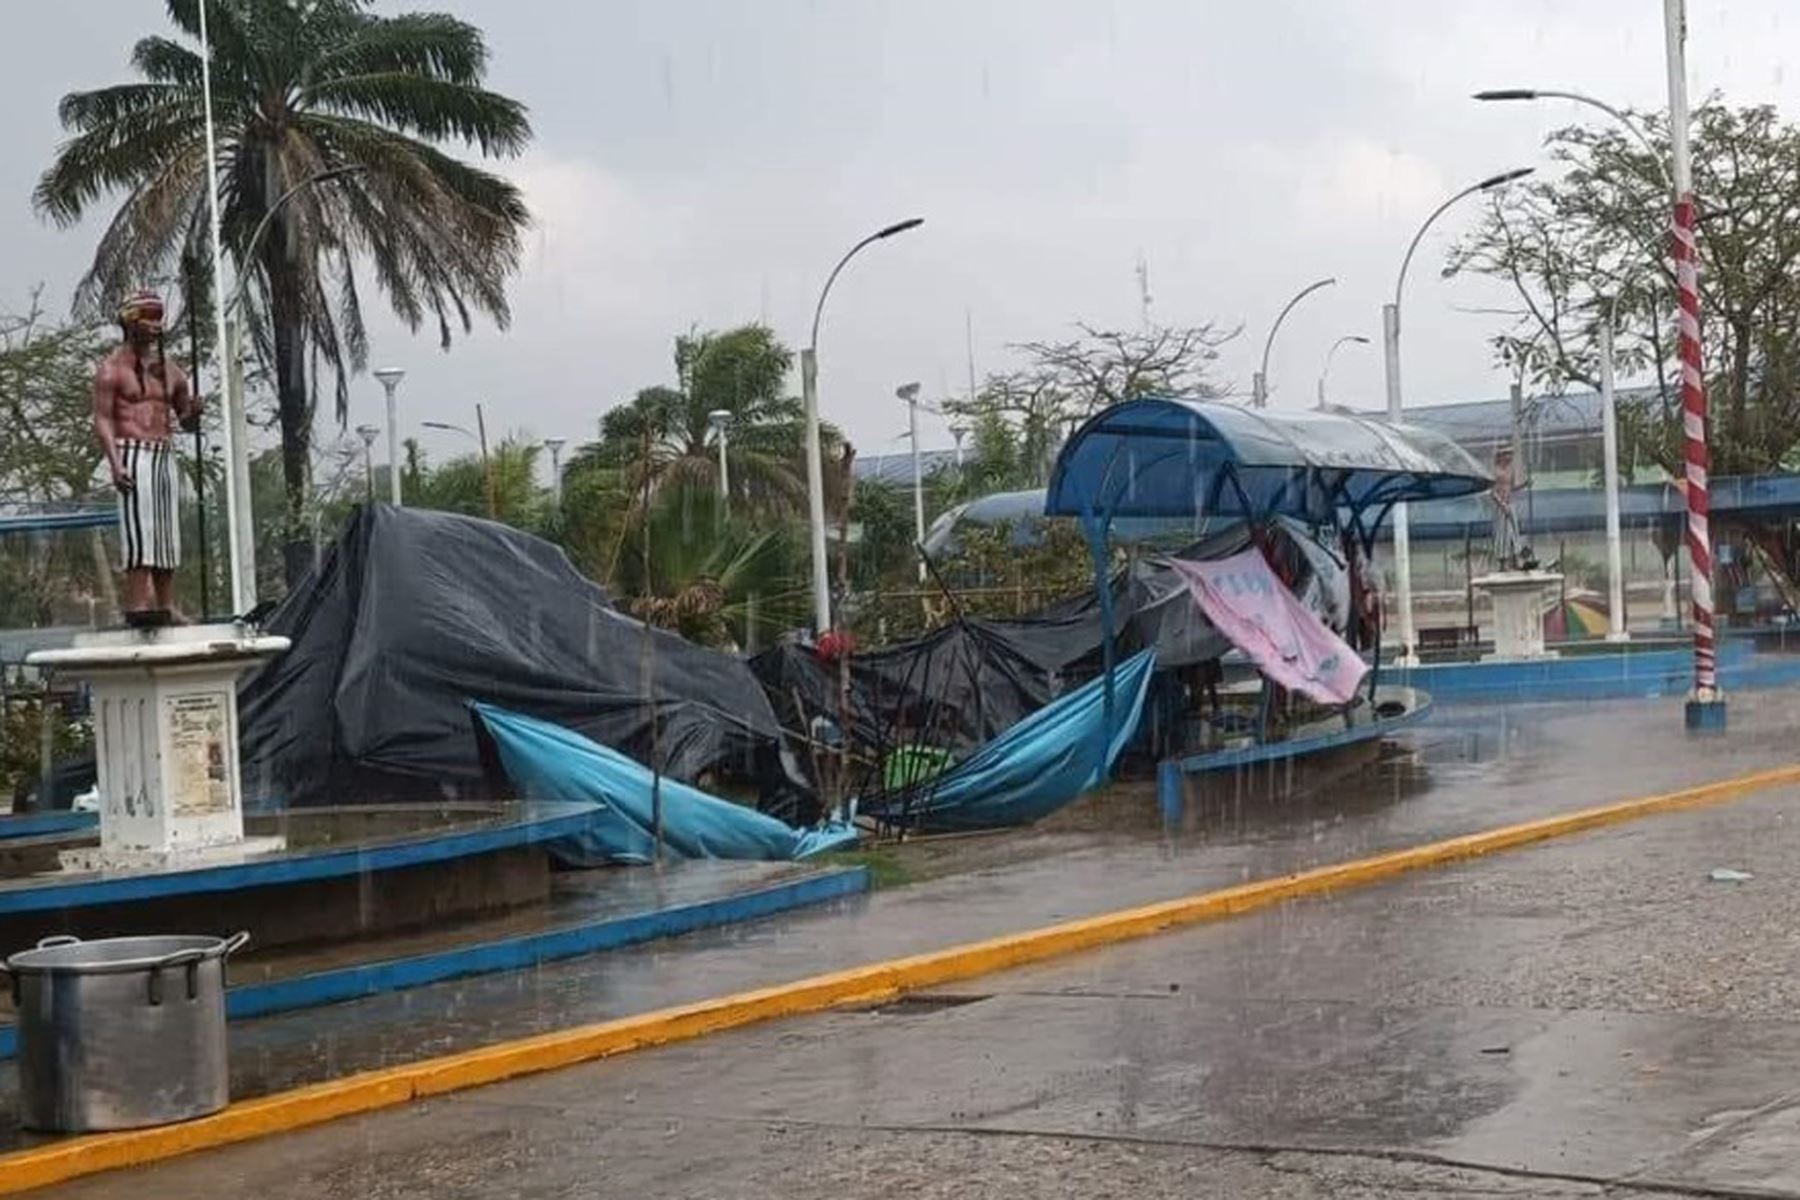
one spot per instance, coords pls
(460, 485)
(713, 579)
(1592, 242)
(301, 88)
(743, 373)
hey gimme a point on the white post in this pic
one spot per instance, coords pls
(242, 527)
(555, 445)
(1609, 437)
(724, 468)
(815, 492)
(1259, 393)
(230, 428)
(390, 381)
(1390, 335)
(912, 420)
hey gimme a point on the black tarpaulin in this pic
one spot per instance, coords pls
(412, 613)
(961, 684)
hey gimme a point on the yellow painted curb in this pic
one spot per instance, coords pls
(72, 1158)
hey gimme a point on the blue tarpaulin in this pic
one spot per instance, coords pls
(1038, 765)
(548, 762)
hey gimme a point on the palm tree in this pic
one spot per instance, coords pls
(301, 88)
(741, 372)
(713, 579)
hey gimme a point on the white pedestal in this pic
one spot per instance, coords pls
(165, 735)
(1518, 599)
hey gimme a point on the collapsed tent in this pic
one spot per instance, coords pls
(412, 613)
(1039, 765)
(964, 683)
(547, 762)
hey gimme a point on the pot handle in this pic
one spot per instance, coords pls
(234, 943)
(58, 939)
(191, 959)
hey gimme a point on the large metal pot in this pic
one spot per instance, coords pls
(121, 1032)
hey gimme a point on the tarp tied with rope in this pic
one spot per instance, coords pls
(1170, 458)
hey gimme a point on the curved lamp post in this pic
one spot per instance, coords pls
(239, 521)
(1355, 338)
(1390, 331)
(815, 474)
(1609, 418)
(1259, 383)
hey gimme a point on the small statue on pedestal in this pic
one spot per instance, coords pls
(1510, 551)
(136, 388)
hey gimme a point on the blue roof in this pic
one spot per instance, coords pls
(1158, 457)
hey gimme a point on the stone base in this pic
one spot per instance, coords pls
(1706, 716)
(99, 858)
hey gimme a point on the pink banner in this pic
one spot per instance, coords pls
(1242, 597)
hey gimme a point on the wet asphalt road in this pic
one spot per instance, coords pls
(1594, 1016)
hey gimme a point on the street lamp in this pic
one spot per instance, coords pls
(369, 433)
(909, 396)
(1609, 418)
(719, 419)
(554, 445)
(1616, 114)
(959, 431)
(1390, 331)
(235, 433)
(1358, 339)
(390, 378)
(1259, 383)
(815, 473)
(480, 439)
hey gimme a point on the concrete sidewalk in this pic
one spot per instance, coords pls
(1577, 1019)
(1472, 769)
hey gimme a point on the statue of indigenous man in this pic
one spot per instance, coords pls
(139, 397)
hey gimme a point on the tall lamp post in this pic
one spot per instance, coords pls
(239, 520)
(1609, 418)
(1348, 338)
(1259, 383)
(554, 445)
(1390, 331)
(720, 421)
(479, 437)
(390, 383)
(368, 434)
(815, 473)
(909, 395)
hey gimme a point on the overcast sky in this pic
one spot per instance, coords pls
(704, 163)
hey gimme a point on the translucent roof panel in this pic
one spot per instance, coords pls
(1167, 458)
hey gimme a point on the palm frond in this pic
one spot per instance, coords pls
(432, 108)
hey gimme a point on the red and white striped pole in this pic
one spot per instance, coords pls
(1706, 706)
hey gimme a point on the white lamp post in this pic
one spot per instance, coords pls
(1259, 383)
(909, 395)
(815, 473)
(554, 445)
(1329, 355)
(368, 434)
(390, 382)
(1390, 330)
(720, 421)
(1608, 401)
